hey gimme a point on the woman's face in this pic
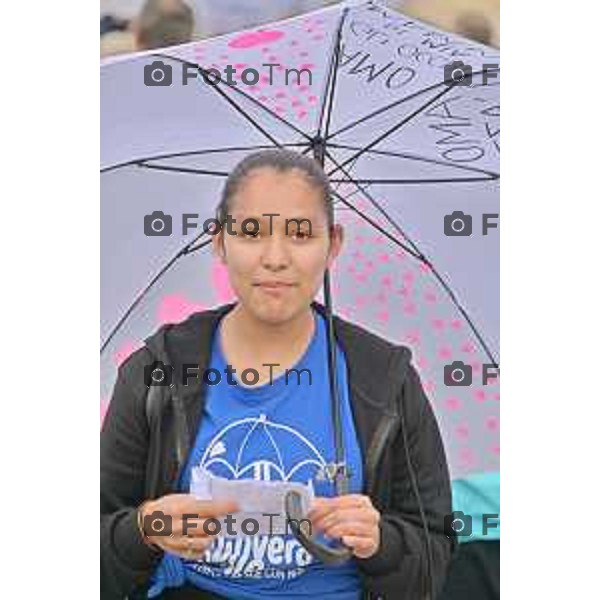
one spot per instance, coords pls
(277, 272)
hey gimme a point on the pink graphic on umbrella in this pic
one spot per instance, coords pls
(220, 279)
(124, 351)
(255, 38)
(175, 308)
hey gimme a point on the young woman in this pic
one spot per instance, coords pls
(269, 417)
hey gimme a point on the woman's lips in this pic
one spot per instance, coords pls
(274, 287)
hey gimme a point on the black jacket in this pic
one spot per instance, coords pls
(139, 456)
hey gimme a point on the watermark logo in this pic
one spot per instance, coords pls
(158, 224)
(459, 374)
(160, 524)
(157, 524)
(460, 224)
(459, 73)
(457, 223)
(158, 74)
(459, 524)
(158, 374)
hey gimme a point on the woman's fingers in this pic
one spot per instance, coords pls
(361, 547)
(370, 516)
(187, 546)
(351, 518)
(216, 508)
(191, 525)
(323, 506)
(180, 513)
(353, 528)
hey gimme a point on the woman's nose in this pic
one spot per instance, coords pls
(275, 254)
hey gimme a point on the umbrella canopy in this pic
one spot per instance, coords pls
(407, 119)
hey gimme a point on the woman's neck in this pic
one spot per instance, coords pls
(241, 331)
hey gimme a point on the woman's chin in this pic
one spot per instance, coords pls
(275, 310)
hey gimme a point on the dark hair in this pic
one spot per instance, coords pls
(282, 160)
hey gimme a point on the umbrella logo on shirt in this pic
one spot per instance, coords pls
(257, 448)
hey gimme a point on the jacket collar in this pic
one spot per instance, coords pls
(190, 343)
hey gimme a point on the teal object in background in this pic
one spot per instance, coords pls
(476, 496)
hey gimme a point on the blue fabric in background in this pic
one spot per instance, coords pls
(478, 497)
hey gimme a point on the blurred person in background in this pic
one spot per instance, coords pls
(109, 23)
(163, 23)
(160, 23)
(233, 15)
(116, 41)
(214, 17)
(478, 20)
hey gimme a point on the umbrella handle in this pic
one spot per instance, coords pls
(326, 554)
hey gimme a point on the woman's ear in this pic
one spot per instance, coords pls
(336, 241)
(218, 246)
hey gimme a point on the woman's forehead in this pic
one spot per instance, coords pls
(267, 190)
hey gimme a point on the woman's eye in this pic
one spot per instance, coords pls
(301, 235)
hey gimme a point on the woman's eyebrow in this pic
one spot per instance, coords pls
(275, 219)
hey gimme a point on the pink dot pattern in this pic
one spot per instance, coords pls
(376, 284)
(385, 288)
(380, 287)
(300, 45)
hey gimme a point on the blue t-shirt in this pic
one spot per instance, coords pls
(279, 431)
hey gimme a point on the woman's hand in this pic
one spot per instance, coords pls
(175, 523)
(351, 518)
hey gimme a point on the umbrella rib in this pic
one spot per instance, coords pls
(391, 130)
(244, 114)
(191, 170)
(420, 256)
(379, 228)
(338, 185)
(383, 109)
(325, 92)
(188, 248)
(414, 181)
(353, 193)
(331, 76)
(336, 65)
(341, 482)
(418, 158)
(130, 163)
(203, 71)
